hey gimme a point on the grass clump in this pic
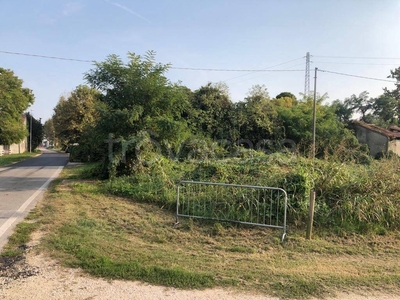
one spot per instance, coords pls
(18, 240)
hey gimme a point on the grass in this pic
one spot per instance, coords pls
(13, 158)
(16, 243)
(115, 237)
(351, 197)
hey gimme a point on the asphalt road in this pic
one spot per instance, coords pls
(22, 185)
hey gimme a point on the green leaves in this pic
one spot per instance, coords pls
(135, 93)
(14, 100)
(74, 112)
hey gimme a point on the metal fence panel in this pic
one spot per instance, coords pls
(245, 204)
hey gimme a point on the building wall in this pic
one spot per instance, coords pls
(376, 142)
(19, 148)
(394, 146)
(15, 148)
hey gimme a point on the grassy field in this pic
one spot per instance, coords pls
(13, 158)
(115, 237)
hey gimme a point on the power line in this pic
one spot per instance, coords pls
(224, 70)
(355, 57)
(45, 56)
(298, 70)
(351, 63)
(234, 70)
(357, 76)
(176, 68)
(286, 62)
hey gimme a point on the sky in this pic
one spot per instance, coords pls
(355, 37)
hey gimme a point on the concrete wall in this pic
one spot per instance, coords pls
(376, 142)
(14, 148)
(394, 146)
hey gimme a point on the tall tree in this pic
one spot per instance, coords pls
(49, 131)
(36, 131)
(212, 106)
(297, 121)
(14, 100)
(395, 94)
(395, 74)
(360, 104)
(342, 110)
(138, 96)
(257, 115)
(385, 110)
(73, 113)
(286, 95)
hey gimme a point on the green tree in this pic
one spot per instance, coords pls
(395, 93)
(73, 113)
(342, 110)
(361, 104)
(14, 100)
(138, 96)
(257, 115)
(49, 131)
(138, 105)
(297, 123)
(286, 95)
(395, 74)
(37, 131)
(385, 110)
(212, 108)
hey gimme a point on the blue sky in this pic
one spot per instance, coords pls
(235, 34)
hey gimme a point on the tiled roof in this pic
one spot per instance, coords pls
(392, 133)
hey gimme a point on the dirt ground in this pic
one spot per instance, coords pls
(36, 276)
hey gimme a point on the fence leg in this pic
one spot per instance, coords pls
(310, 215)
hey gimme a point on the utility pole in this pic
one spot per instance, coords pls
(312, 192)
(307, 76)
(30, 134)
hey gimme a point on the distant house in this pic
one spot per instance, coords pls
(378, 139)
(15, 148)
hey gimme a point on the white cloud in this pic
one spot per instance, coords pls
(128, 10)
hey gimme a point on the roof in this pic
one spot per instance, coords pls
(394, 128)
(393, 132)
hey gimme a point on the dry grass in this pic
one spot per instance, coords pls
(114, 237)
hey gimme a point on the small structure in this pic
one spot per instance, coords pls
(378, 139)
(21, 147)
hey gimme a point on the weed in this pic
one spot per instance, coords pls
(17, 241)
(133, 237)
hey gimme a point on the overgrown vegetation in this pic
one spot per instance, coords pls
(117, 237)
(144, 134)
(350, 197)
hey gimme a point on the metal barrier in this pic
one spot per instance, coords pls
(245, 204)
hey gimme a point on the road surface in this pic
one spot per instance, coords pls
(22, 185)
